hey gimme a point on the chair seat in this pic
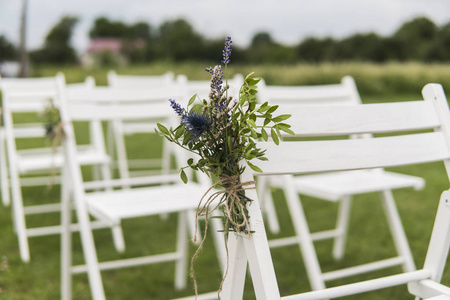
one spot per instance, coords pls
(440, 297)
(333, 186)
(122, 204)
(46, 160)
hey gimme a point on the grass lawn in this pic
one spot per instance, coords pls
(369, 239)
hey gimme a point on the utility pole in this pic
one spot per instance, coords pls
(24, 68)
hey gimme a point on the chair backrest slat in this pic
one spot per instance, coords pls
(140, 81)
(84, 111)
(349, 154)
(324, 120)
(344, 93)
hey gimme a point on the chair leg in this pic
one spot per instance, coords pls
(233, 286)
(121, 150)
(66, 241)
(119, 241)
(343, 220)
(89, 252)
(397, 231)
(19, 218)
(304, 235)
(4, 171)
(267, 204)
(111, 145)
(182, 250)
(217, 230)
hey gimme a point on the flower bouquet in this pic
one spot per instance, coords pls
(223, 131)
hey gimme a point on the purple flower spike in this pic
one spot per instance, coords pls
(227, 50)
(178, 110)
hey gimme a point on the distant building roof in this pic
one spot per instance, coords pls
(105, 44)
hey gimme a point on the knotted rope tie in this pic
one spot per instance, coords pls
(231, 196)
(56, 135)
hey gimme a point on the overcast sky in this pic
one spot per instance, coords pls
(288, 21)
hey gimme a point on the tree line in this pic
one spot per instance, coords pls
(419, 39)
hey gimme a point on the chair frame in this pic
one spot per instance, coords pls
(97, 204)
(334, 155)
(292, 99)
(31, 95)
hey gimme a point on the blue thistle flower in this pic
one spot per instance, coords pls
(227, 50)
(197, 123)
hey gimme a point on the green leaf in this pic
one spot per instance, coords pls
(281, 118)
(264, 134)
(265, 106)
(272, 109)
(179, 133)
(274, 137)
(183, 176)
(163, 129)
(190, 161)
(254, 168)
(285, 128)
(251, 123)
(192, 99)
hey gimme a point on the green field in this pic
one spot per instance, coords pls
(369, 238)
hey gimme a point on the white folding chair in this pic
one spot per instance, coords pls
(430, 142)
(27, 98)
(31, 85)
(140, 81)
(337, 186)
(166, 195)
(137, 88)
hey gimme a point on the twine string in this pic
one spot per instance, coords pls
(56, 136)
(231, 196)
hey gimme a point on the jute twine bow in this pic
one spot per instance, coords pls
(56, 135)
(230, 196)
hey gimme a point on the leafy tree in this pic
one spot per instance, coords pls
(178, 41)
(264, 49)
(416, 36)
(104, 28)
(439, 49)
(361, 47)
(315, 50)
(140, 30)
(261, 39)
(57, 48)
(7, 50)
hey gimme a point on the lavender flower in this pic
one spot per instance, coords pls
(227, 50)
(197, 123)
(177, 108)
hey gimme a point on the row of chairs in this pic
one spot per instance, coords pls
(341, 186)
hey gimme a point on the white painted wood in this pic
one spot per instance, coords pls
(336, 185)
(6, 200)
(437, 250)
(321, 156)
(139, 81)
(32, 96)
(335, 110)
(343, 219)
(397, 232)
(422, 283)
(361, 287)
(344, 120)
(112, 206)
